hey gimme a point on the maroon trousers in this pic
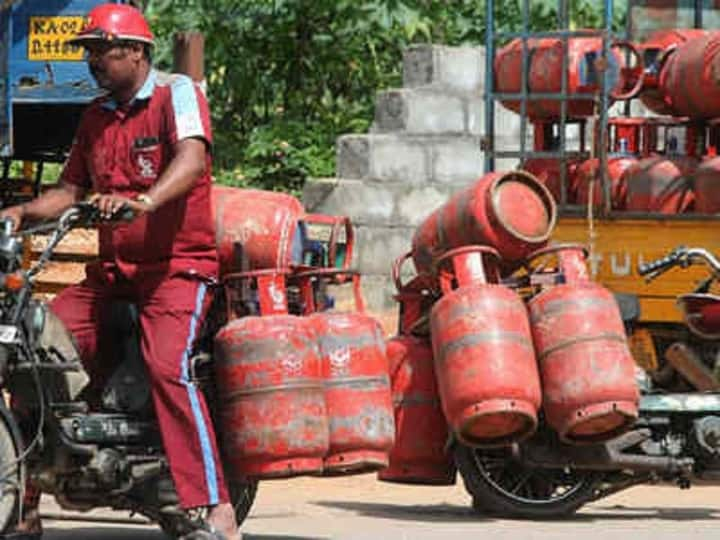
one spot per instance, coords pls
(171, 311)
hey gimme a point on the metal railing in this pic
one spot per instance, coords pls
(602, 98)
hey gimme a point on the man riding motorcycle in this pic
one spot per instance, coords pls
(145, 145)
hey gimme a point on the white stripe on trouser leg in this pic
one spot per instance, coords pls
(202, 429)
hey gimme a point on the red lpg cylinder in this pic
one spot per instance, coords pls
(420, 454)
(547, 171)
(483, 354)
(512, 212)
(357, 392)
(687, 81)
(273, 418)
(545, 58)
(254, 229)
(485, 365)
(655, 50)
(706, 186)
(587, 370)
(617, 164)
(660, 184)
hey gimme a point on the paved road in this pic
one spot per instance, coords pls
(360, 508)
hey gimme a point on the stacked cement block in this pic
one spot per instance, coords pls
(423, 146)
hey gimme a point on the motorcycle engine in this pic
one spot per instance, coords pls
(108, 466)
(83, 488)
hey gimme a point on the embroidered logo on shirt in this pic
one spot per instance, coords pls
(147, 170)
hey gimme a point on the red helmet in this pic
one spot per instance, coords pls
(114, 21)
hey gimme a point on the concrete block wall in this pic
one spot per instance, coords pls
(423, 146)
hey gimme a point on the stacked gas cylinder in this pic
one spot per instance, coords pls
(495, 327)
(664, 164)
(302, 389)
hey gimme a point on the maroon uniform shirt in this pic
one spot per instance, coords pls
(124, 150)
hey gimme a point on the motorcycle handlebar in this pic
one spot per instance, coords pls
(680, 256)
(82, 214)
(665, 263)
(87, 214)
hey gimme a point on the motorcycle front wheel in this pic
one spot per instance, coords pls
(501, 486)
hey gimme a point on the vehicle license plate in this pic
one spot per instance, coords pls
(47, 38)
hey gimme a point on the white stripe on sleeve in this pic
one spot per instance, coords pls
(188, 121)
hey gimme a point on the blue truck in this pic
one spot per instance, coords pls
(44, 83)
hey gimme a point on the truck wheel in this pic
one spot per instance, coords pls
(501, 486)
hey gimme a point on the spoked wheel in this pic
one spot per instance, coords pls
(500, 485)
(10, 479)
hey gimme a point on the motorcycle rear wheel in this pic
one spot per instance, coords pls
(501, 486)
(10, 479)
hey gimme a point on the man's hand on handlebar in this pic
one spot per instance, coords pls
(98, 208)
(15, 214)
(113, 206)
(57, 202)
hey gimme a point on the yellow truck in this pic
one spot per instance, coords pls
(530, 79)
(618, 244)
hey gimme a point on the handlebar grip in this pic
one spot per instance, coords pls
(659, 264)
(90, 214)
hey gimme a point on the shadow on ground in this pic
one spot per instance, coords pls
(419, 513)
(456, 514)
(119, 533)
(620, 512)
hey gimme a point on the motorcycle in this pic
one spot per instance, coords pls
(88, 453)
(676, 438)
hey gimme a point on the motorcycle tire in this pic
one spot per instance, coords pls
(11, 476)
(500, 486)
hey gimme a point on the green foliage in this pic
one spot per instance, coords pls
(287, 77)
(281, 154)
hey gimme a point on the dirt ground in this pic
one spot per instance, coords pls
(361, 508)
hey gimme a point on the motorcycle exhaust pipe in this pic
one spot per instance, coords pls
(609, 456)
